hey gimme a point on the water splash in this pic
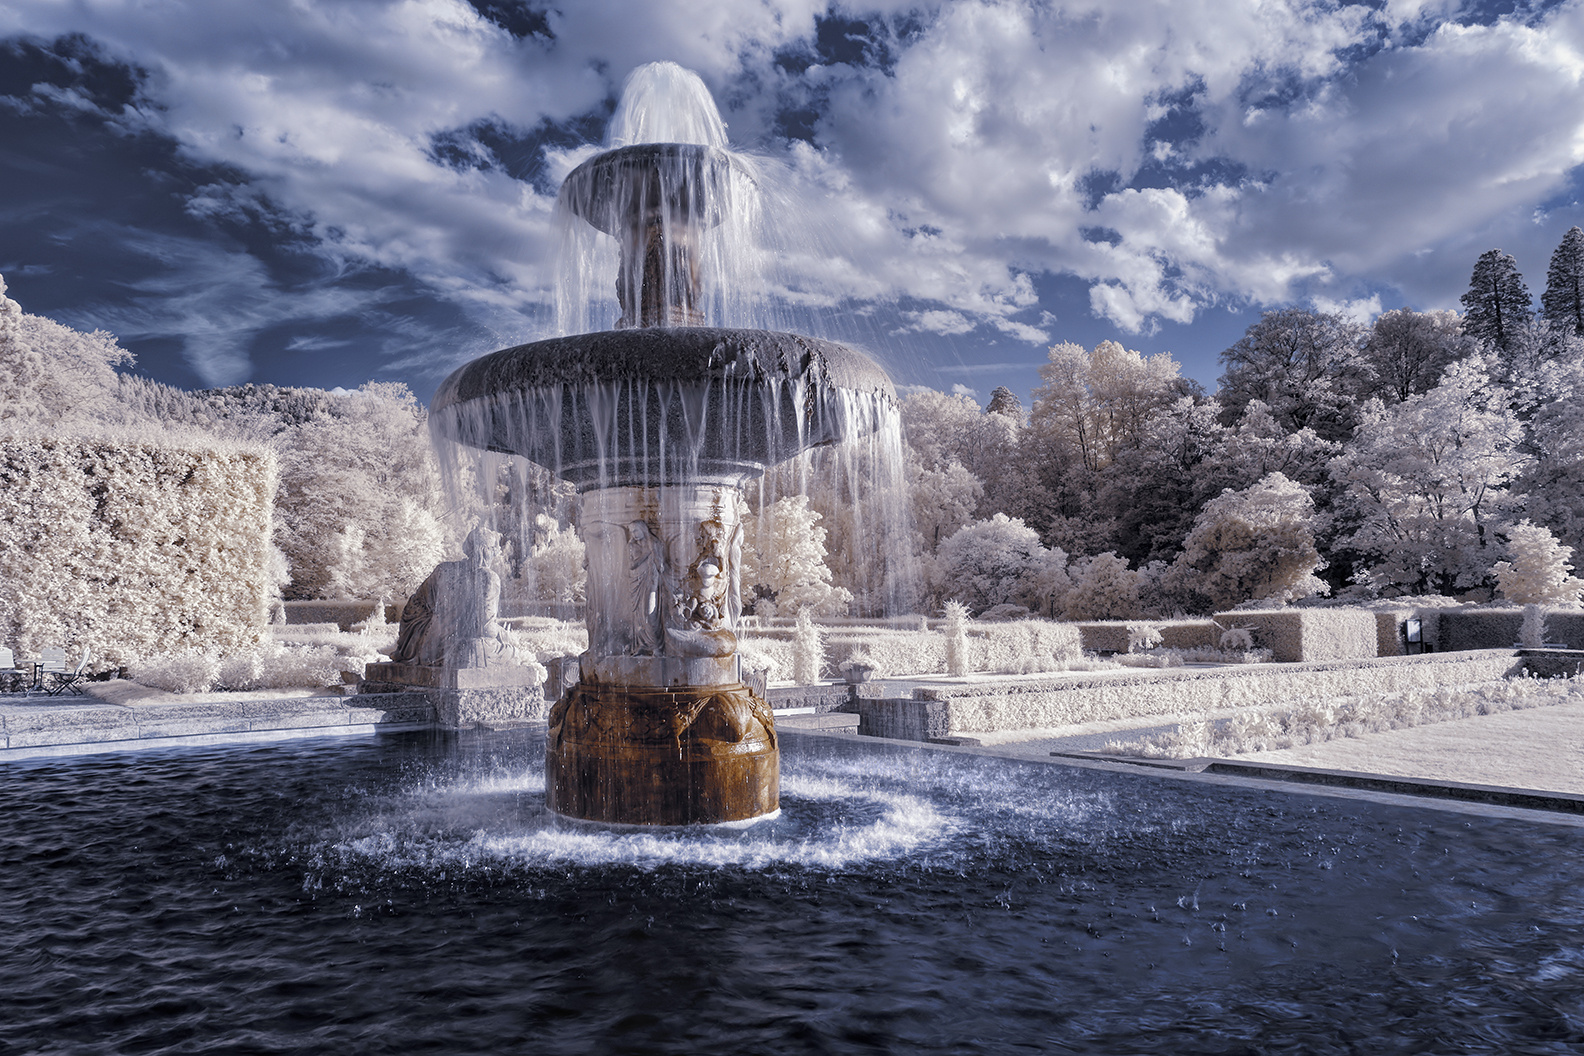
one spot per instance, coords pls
(662, 102)
(500, 822)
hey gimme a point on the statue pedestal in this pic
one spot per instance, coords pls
(465, 697)
(439, 676)
(643, 755)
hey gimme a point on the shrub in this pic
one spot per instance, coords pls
(1252, 544)
(1538, 572)
(956, 630)
(808, 650)
(134, 546)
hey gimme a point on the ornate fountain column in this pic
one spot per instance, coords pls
(660, 728)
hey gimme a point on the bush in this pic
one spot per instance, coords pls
(134, 547)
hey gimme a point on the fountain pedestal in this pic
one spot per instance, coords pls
(660, 729)
(648, 755)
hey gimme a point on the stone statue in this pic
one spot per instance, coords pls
(452, 619)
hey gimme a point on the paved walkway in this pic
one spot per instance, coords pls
(1538, 748)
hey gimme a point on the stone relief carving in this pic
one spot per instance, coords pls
(671, 572)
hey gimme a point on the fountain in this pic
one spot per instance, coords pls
(660, 423)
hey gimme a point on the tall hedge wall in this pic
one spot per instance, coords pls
(133, 546)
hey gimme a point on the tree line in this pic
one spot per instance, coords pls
(1393, 458)
(1402, 457)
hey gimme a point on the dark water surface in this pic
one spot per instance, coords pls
(408, 893)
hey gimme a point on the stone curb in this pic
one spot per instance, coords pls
(1497, 795)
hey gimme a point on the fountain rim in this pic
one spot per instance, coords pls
(700, 354)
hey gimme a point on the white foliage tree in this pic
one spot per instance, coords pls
(1538, 569)
(359, 487)
(555, 569)
(1253, 544)
(997, 561)
(54, 376)
(1554, 483)
(783, 562)
(1426, 484)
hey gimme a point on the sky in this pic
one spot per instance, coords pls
(326, 193)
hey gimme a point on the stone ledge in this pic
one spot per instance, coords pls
(990, 705)
(30, 726)
(1562, 802)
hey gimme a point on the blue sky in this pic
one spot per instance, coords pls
(333, 192)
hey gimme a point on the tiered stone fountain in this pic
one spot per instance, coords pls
(660, 423)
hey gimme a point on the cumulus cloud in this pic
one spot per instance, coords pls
(1172, 154)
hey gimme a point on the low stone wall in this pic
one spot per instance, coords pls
(987, 706)
(33, 724)
(821, 698)
(1303, 635)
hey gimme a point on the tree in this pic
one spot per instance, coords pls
(1093, 405)
(1408, 351)
(783, 562)
(1253, 544)
(1004, 401)
(1538, 572)
(1553, 485)
(1424, 485)
(54, 376)
(358, 494)
(942, 430)
(1303, 365)
(943, 499)
(1562, 304)
(1497, 308)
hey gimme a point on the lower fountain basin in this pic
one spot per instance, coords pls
(407, 892)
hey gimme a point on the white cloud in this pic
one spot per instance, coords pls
(946, 179)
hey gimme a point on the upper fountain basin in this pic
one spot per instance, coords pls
(689, 183)
(660, 406)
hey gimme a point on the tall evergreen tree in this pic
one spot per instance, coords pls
(1562, 304)
(1497, 306)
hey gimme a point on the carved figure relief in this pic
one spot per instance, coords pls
(645, 568)
(669, 582)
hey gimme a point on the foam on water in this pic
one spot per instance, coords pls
(500, 821)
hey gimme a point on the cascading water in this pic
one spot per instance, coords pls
(660, 423)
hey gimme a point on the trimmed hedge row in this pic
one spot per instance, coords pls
(134, 547)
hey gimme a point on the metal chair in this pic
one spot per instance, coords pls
(11, 675)
(61, 678)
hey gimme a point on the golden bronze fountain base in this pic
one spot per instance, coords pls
(644, 755)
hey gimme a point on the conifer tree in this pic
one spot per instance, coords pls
(1497, 306)
(1562, 304)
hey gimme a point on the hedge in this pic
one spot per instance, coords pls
(134, 547)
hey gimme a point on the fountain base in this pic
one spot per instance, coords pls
(646, 755)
